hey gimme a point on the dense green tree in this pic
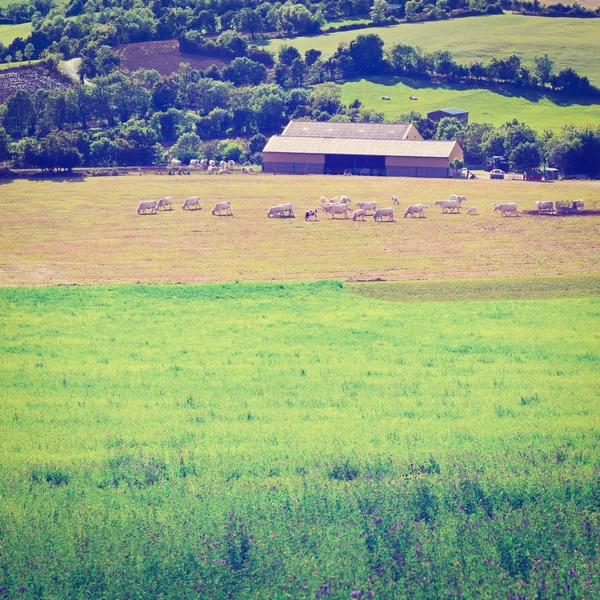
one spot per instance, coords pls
(367, 53)
(287, 54)
(19, 117)
(103, 153)
(525, 156)
(243, 71)
(378, 12)
(544, 68)
(448, 129)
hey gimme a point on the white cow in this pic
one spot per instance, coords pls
(451, 205)
(147, 205)
(384, 212)
(220, 206)
(164, 202)
(337, 209)
(395, 200)
(415, 209)
(357, 214)
(190, 203)
(472, 210)
(367, 205)
(507, 209)
(544, 206)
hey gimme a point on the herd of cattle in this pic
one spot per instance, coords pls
(342, 206)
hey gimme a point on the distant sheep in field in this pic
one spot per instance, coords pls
(448, 205)
(334, 200)
(212, 170)
(223, 171)
(544, 206)
(395, 200)
(337, 209)
(415, 209)
(280, 210)
(175, 163)
(194, 163)
(164, 202)
(150, 205)
(508, 209)
(275, 211)
(472, 210)
(344, 200)
(578, 204)
(231, 165)
(311, 213)
(190, 203)
(323, 201)
(383, 212)
(367, 206)
(358, 214)
(223, 206)
(212, 163)
(204, 164)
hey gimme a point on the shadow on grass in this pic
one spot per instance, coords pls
(508, 91)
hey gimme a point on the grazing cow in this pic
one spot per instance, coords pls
(223, 206)
(544, 206)
(190, 203)
(164, 202)
(311, 213)
(395, 200)
(150, 205)
(507, 209)
(472, 210)
(194, 163)
(415, 209)
(337, 209)
(451, 205)
(384, 212)
(367, 206)
(358, 214)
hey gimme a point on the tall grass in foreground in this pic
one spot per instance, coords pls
(296, 440)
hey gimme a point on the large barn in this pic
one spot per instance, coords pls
(385, 149)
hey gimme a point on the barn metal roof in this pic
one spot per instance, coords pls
(452, 111)
(323, 145)
(372, 131)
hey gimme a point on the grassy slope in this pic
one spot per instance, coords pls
(264, 440)
(9, 32)
(570, 42)
(88, 231)
(484, 105)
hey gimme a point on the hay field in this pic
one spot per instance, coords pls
(9, 32)
(570, 42)
(495, 105)
(297, 441)
(86, 231)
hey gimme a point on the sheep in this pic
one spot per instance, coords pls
(337, 209)
(395, 200)
(578, 204)
(194, 163)
(452, 205)
(334, 200)
(244, 170)
(231, 165)
(357, 214)
(211, 163)
(367, 206)
(148, 204)
(507, 209)
(323, 201)
(414, 210)
(384, 212)
(220, 206)
(223, 171)
(472, 210)
(223, 164)
(281, 209)
(275, 211)
(204, 164)
(175, 164)
(164, 202)
(311, 213)
(544, 206)
(344, 200)
(212, 169)
(191, 202)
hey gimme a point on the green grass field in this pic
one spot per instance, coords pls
(300, 440)
(484, 105)
(9, 32)
(570, 42)
(86, 231)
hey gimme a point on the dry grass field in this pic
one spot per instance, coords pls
(87, 231)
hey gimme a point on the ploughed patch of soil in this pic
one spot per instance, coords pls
(163, 56)
(30, 79)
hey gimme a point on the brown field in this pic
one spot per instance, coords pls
(30, 79)
(163, 56)
(88, 232)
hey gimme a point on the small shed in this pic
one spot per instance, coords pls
(456, 113)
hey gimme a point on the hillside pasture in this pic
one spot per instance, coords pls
(495, 105)
(86, 231)
(163, 56)
(278, 440)
(569, 42)
(9, 32)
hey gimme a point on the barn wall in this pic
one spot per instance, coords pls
(291, 157)
(415, 161)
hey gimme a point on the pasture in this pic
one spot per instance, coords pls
(9, 32)
(86, 231)
(299, 440)
(569, 42)
(493, 105)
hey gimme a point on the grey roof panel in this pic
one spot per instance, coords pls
(372, 131)
(364, 147)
